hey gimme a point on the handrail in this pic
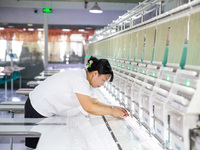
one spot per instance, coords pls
(144, 6)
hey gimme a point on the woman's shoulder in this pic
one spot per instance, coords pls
(75, 73)
(78, 77)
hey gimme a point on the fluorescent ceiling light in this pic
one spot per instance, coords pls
(40, 29)
(81, 30)
(66, 30)
(96, 9)
(88, 28)
(10, 26)
(30, 29)
(30, 24)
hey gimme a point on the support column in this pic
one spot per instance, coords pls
(67, 52)
(68, 45)
(45, 40)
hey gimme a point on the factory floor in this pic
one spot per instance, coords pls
(18, 143)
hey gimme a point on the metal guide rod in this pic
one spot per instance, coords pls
(140, 8)
(146, 7)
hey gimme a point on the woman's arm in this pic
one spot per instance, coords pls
(91, 107)
(95, 100)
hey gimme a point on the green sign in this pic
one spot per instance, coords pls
(47, 10)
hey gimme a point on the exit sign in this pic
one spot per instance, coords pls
(47, 10)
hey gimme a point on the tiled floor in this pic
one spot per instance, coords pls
(18, 143)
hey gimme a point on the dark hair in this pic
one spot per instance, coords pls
(101, 65)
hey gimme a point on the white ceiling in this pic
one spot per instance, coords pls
(75, 14)
(65, 4)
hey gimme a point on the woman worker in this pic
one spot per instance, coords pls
(70, 89)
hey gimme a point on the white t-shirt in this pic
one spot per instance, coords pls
(57, 93)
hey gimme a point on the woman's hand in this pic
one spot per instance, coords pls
(119, 112)
(124, 110)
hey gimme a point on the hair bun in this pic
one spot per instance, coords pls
(92, 61)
